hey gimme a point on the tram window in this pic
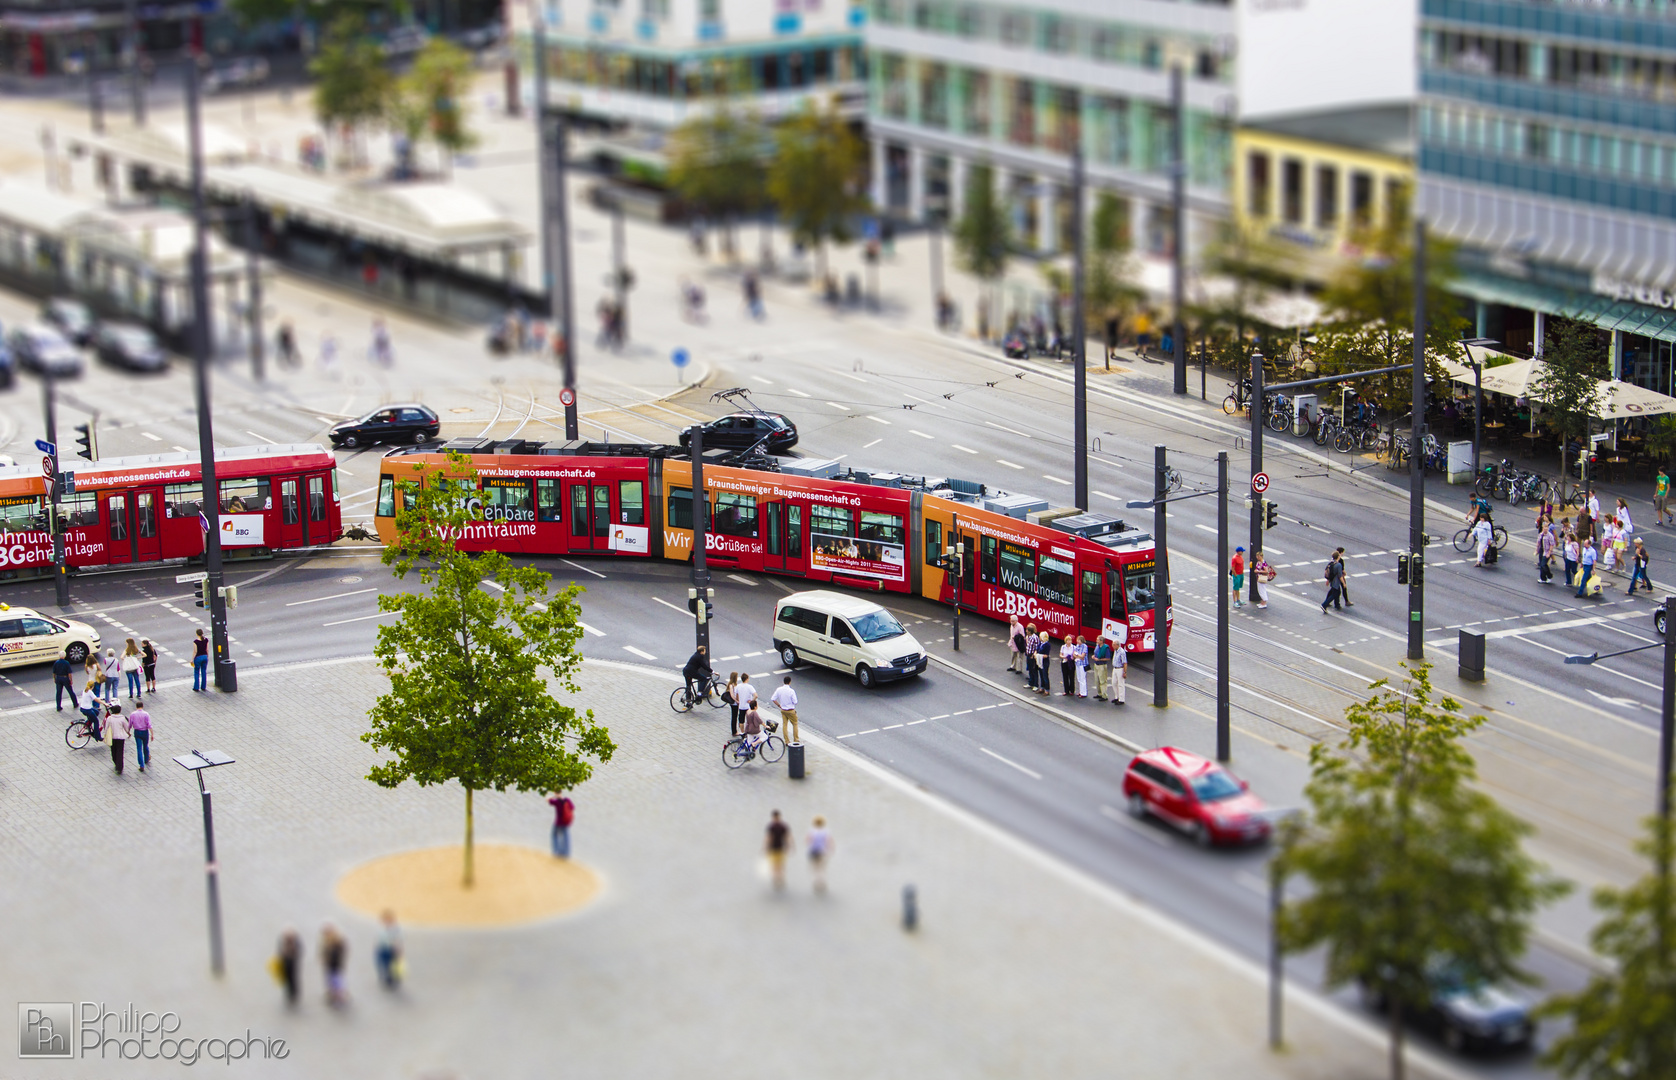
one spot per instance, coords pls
(1056, 581)
(736, 515)
(82, 510)
(317, 498)
(886, 528)
(1090, 614)
(244, 496)
(631, 495)
(680, 508)
(386, 496)
(21, 513)
(830, 521)
(794, 532)
(507, 500)
(1018, 568)
(1137, 586)
(986, 565)
(547, 504)
(1114, 594)
(933, 542)
(579, 510)
(183, 500)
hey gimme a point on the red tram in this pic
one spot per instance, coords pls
(147, 508)
(1068, 572)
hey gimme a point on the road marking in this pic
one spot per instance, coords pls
(179, 447)
(589, 629)
(1137, 827)
(879, 420)
(967, 449)
(921, 434)
(1272, 551)
(1005, 428)
(1055, 479)
(799, 393)
(891, 727)
(911, 723)
(1543, 628)
(642, 653)
(962, 712)
(981, 708)
(847, 375)
(763, 379)
(872, 444)
(840, 408)
(869, 731)
(334, 596)
(1031, 773)
(725, 659)
(1008, 464)
(260, 438)
(743, 580)
(153, 438)
(851, 735)
(923, 401)
(671, 607)
(944, 716)
(1113, 498)
(1207, 528)
(582, 568)
(358, 494)
(362, 618)
(748, 655)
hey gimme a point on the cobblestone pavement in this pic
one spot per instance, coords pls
(689, 964)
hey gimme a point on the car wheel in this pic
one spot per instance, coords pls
(76, 654)
(420, 438)
(788, 656)
(1658, 620)
(350, 442)
(1199, 834)
(1454, 1039)
(864, 676)
(1137, 805)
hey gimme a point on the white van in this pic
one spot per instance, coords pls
(848, 633)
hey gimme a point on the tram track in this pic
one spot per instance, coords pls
(500, 407)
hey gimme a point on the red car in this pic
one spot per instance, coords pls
(1196, 795)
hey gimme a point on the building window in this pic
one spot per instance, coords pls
(893, 86)
(1326, 197)
(1361, 198)
(934, 95)
(1056, 34)
(1108, 44)
(1021, 118)
(1292, 191)
(1152, 54)
(1258, 185)
(968, 21)
(1015, 28)
(1110, 121)
(974, 104)
(1208, 65)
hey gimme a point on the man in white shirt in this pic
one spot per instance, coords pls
(745, 693)
(785, 699)
(116, 729)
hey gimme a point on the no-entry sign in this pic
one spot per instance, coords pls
(1259, 482)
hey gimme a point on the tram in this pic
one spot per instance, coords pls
(147, 508)
(1068, 572)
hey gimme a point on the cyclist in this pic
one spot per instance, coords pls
(697, 673)
(1480, 510)
(753, 729)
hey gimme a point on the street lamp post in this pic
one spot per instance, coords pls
(1079, 328)
(1178, 215)
(1256, 543)
(1416, 464)
(701, 514)
(1477, 399)
(1667, 697)
(196, 762)
(1160, 581)
(1222, 734)
(552, 138)
(60, 573)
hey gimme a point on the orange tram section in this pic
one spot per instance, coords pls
(1067, 571)
(149, 508)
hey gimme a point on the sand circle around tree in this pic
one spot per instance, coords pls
(514, 885)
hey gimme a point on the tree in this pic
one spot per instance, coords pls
(818, 179)
(1661, 437)
(715, 165)
(983, 233)
(426, 102)
(1410, 865)
(1623, 1024)
(1242, 263)
(468, 700)
(353, 86)
(1568, 385)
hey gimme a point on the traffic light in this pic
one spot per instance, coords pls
(203, 593)
(1417, 569)
(88, 441)
(709, 611)
(231, 592)
(1402, 569)
(1271, 514)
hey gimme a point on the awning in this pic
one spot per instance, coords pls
(1512, 379)
(1606, 312)
(1622, 400)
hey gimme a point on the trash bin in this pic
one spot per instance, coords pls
(794, 761)
(1472, 656)
(1460, 462)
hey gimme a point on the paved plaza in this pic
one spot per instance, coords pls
(687, 965)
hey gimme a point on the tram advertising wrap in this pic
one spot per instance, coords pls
(858, 558)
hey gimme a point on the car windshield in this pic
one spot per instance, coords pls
(1215, 785)
(877, 626)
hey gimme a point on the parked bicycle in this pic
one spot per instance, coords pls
(684, 700)
(1236, 401)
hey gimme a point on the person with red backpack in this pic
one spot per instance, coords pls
(564, 812)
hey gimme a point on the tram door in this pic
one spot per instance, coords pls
(590, 517)
(119, 527)
(316, 493)
(783, 537)
(290, 512)
(148, 536)
(968, 570)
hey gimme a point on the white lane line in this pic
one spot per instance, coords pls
(1207, 528)
(334, 596)
(851, 735)
(1056, 479)
(869, 731)
(923, 401)
(725, 659)
(1273, 551)
(259, 438)
(1134, 826)
(743, 580)
(966, 449)
(642, 653)
(153, 438)
(1008, 464)
(891, 727)
(181, 448)
(671, 607)
(847, 375)
(872, 444)
(748, 655)
(582, 568)
(942, 716)
(879, 420)
(362, 618)
(1113, 498)
(921, 434)
(840, 408)
(911, 723)
(763, 379)
(981, 708)
(589, 629)
(1005, 428)
(962, 712)
(1031, 773)
(799, 393)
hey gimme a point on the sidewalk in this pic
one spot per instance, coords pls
(688, 966)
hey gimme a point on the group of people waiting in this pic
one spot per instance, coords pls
(1597, 544)
(1034, 648)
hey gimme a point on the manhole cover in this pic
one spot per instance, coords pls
(351, 579)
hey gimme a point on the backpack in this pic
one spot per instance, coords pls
(1327, 573)
(567, 812)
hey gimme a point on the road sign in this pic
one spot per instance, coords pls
(680, 358)
(46, 448)
(567, 397)
(1259, 482)
(49, 467)
(187, 579)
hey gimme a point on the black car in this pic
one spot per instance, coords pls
(72, 318)
(1467, 1014)
(388, 424)
(43, 350)
(129, 345)
(741, 431)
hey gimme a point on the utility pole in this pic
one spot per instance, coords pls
(1161, 581)
(619, 272)
(701, 507)
(1079, 328)
(136, 73)
(1222, 749)
(1416, 469)
(1178, 214)
(1256, 543)
(1667, 710)
(226, 673)
(551, 136)
(253, 272)
(60, 573)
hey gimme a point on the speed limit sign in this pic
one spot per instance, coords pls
(567, 397)
(1259, 482)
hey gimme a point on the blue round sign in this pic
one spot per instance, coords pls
(680, 358)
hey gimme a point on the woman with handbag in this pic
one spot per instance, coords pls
(731, 696)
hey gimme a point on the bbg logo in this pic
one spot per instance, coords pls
(46, 1029)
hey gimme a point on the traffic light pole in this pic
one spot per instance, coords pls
(701, 532)
(1222, 710)
(221, 660)
(552, 139)
(1161, 581)
(1256, 465)
(60, 573)
(1416, 468)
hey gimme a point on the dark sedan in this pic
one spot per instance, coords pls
(43, 350)
(388, 424)
(129, 345)
(741, 431)
(72, 318)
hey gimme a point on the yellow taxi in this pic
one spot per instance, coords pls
(29, 637)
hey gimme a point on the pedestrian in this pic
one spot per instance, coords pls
(1343, 578)
(1608, 545)
(1102, 667)
(1263, 573)
(139, 722)
(1080, 659)
(1586, 569)
(753, 295)
(785, 699)
(382, 352)
(285, 341)
(329, 355)
(1545, 544)
(287, 964)
(1661, 498)
(388, 954)
(1483, 536)
(1044, 658)
(1638, 560)
(731, 696)
(1030, 645)
(1068, 665)
(334, 955)
(148, 664)
(111, 668)
(1236, 576)
(131, 668)
(1335, 585)
(564, 812)
(1015, 643)
(820, 849)
(116, 733)
(200, 662)
(1120, 673)
(61, 670)
(746, 693)
(1625, 525)
(1590, 520)
(774, 846)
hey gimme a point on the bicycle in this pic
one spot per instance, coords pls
(683, 700)
(80, 732)
(1237, 401)
(1464, 542)
(737, 753)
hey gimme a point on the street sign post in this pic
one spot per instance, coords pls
(680, 358)
(188, 579)
(1259, 483)
(46, 448)
(49, 467)
(567, 397)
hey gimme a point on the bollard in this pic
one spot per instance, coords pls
(1472, 656)
(910, 908)
(794, 761)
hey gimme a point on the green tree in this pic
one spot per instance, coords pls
(353, 86)
(470, 669)
(1240, 264)
(818, 178)
(426, 102)
(716, 166)
(1410, 866)
(1623, 1024)
(983, 236)
(1661, 437)
(1568, 384)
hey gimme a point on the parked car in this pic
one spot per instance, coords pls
(72, 318)
(1467, 1014)
(43, 350)
(388, 424)
(129, 345)
(847, 633)
(741, 431)
(245, 72)
(29, 637)
(1196, 795)
(8, 363)
(405, 40)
